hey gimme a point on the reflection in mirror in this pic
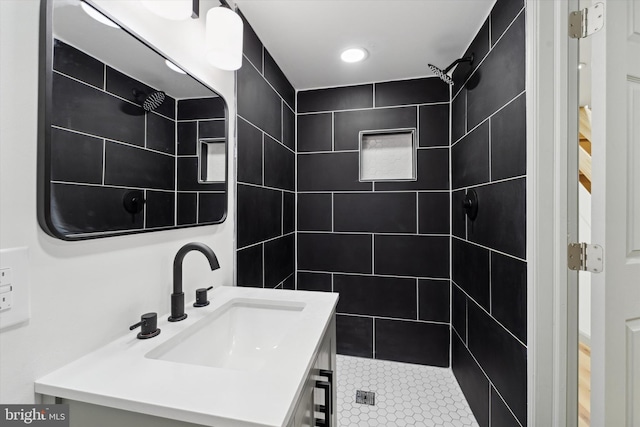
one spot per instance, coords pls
(213, 160)
(123, 134)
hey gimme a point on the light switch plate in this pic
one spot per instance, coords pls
(17, 259)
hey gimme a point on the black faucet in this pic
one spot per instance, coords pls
(177, 297)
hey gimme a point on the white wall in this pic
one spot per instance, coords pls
(584, 295)
(85, 294)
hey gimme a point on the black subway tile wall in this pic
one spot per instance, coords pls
(143, 152)
(382, 245)
(489, 268)
(265, 170)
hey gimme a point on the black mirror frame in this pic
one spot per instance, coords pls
(45, 102)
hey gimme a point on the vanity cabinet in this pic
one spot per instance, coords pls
(312, 404)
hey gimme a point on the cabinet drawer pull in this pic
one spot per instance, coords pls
(329, 374)
(326, 409)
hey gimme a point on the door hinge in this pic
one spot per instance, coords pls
(585, 257)
(583, 23)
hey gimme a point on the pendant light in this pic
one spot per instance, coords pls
(224, 38)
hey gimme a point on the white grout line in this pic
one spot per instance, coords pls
(390, 276)
(386, 107)
(265, 241)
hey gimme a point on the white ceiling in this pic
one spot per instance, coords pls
(306, 37)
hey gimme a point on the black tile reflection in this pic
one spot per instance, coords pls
(160, 209)
(348, 253)
(288, 212)
(375, 212)
(434, 125)
(433, 173)
(472, 381)
(212, 207)
(188, 177)
(338, 98)
(278, 80)
(253, 225)
(349, 124)
(470, 158)
(211, 129)
(369, 295)
(471, 270)
(434, 300)
(75, 157)
(433, 213)
(250, 267)
(500, 77)
(315, 132)
(75, 63)
(86, 209)
(501, 221)
(257, 102)
(249, 162)
(187, 138)
(315, 212)
(80, 107)
(509, 140)
(289, 283)
(400, 255)
(354, 336)
(412, 342)
(279, 165)
(136, 167)
(161, 134)
(201, 108)
(509, 293)
(279, 259)
(187, 212)
(502, 14)
(330, 172)
(411, 91)
(502, 357)
(314, 281)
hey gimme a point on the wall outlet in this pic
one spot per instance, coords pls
(14, 290)
(6, 300)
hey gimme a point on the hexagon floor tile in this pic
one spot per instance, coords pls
(406, 395)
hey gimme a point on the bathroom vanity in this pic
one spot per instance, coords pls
(252, 357)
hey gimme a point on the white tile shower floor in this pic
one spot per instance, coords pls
(405, 395)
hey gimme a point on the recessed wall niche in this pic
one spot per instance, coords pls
(121, 143)
(388, 155)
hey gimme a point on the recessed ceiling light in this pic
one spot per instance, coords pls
(97, 15)
(356, 54)
(174, 67)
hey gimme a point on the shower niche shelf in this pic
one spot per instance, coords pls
(388, 155)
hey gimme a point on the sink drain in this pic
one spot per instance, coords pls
(366, 397)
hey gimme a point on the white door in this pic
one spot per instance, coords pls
(615, 339)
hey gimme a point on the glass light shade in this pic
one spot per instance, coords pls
(224, 38)
(176, 10)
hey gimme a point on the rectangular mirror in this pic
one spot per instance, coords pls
(129, 143)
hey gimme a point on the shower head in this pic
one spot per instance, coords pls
(443, 74)
(150, 101)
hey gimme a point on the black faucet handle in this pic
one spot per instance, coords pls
(148, 324)
(201, 297)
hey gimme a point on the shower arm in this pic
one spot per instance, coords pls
(457, 61)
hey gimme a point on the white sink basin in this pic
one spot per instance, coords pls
(240, 335)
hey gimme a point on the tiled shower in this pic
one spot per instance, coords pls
(418, 282)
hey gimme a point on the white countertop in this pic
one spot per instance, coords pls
(119, 375)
